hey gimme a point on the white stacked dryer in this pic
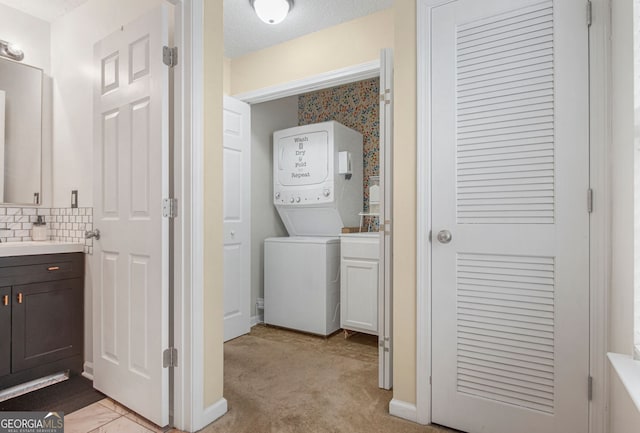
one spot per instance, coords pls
(317, 189)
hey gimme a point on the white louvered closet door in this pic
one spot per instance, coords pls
(509, 129)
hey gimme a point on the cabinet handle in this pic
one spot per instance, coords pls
(5, 300)
(19, 298)
(53, 268)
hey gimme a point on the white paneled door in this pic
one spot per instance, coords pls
(237, 217)
(510, 152)
(130, 263)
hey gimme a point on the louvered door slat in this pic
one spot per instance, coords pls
(483, 48)
(507, 287)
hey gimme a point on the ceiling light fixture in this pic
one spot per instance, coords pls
(272, 11)
(11, 51)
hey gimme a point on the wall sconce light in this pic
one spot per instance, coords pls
(11, 51)
(272, 11)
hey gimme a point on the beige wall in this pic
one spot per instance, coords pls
(351, 43)
(213, 261)
(404, 196)
(226, 76)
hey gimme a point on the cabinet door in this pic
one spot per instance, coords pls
(5, 330)
(47, 322)
(359, 296)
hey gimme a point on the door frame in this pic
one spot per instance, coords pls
(600, 244)
(180, 287)
(186, 386)
(350, 74)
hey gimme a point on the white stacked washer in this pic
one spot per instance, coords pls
(317, 183)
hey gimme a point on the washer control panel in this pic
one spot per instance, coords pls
(304, 197)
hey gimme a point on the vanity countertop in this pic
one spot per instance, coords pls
(41, 247)
(360, 235)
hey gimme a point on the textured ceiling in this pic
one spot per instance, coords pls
(244, 32)
(48, 10)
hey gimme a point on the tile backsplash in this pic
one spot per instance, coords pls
(63, 224)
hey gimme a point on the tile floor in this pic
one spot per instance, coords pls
(106, 416)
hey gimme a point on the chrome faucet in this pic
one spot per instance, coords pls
(95, 233)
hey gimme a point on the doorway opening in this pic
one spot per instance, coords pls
(355, 103)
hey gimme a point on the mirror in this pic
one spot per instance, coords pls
(20, 133)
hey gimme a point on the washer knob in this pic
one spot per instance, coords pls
(326, 192)
(297, 199)
(291, 200)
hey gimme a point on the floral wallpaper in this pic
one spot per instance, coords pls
(355, 105)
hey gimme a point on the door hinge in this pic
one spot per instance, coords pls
(386, 96)
(170, 56)
(589, 13)
(170, 208)
(170, 357)
(590, 388)
(590, 200)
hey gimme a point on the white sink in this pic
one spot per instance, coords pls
(42, 247)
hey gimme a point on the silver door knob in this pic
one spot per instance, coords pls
(95, 233)
(444, 236)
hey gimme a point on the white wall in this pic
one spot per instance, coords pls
(265, 221)
(624, 417)
(30, 33)
(622, 159)
(636, 185)
(72, 40)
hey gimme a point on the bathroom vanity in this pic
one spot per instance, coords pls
(41, 310)
(359, 282)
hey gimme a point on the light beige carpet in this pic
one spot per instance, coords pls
(279, 381)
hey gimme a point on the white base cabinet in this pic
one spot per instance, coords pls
(359, 282)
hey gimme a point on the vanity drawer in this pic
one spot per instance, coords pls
(48, 267)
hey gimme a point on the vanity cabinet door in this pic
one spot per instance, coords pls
(5, 330)
(359, 296)
(47, 322)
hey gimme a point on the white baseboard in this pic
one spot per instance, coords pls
(404, 410)
(88, 370)
(213, 412)
(257, 319)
